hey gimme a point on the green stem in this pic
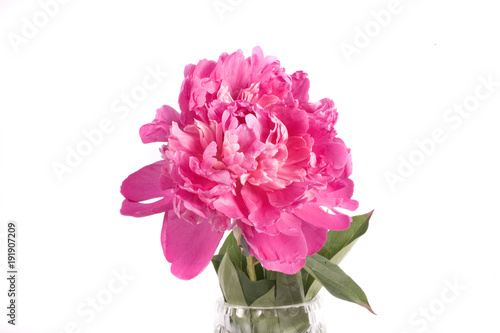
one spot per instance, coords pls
(251, 268)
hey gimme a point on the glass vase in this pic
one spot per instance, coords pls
(298, 318)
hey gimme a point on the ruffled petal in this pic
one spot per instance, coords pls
(261, 212)
(234, 72)
(193, 93)
(300, 86)
(338, 194)
(292, 194)
(231, 206)
(159, 129)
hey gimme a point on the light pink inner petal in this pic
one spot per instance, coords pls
(299, 153)
(187, 139)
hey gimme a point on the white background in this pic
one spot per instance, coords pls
(438, 225)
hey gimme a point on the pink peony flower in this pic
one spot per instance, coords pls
(247, 147)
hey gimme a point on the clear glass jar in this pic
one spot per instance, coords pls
(298, 318)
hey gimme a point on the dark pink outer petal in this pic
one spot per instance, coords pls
(315, 215)
(137, 209)
(189, 247)
(315, 237)
(286, 254)
(159, 129)
(142, 185)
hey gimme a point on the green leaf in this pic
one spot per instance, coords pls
(289, 289)
(266, 300)
(338, 240)
(254, 290)
(337, 245)
(337, 258)
(306, 279)
(263, 322)
(230, 283)
(216, 260)
(314, 286)
(338, 283)
(259, 271)
(244, 246)
(231, 247)
(236, 256)
(271, 275)
(228, 241)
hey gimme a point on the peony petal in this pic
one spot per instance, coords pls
(262, 67)
(299, 153)
(287, 196)
(192, 202)
(338, 194)
(196, 88)
(187, 139)
(144, 184)
(188, 247)
(261, 212)
(159, 129)
(231, 206)
(137, 209)
(289, 225)
(233, 71)
(336, 153)
(293, 118)
(300, 87)
(315, 215)
(315, 237)
(282, 253)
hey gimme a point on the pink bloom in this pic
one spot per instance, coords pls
(249, 146)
